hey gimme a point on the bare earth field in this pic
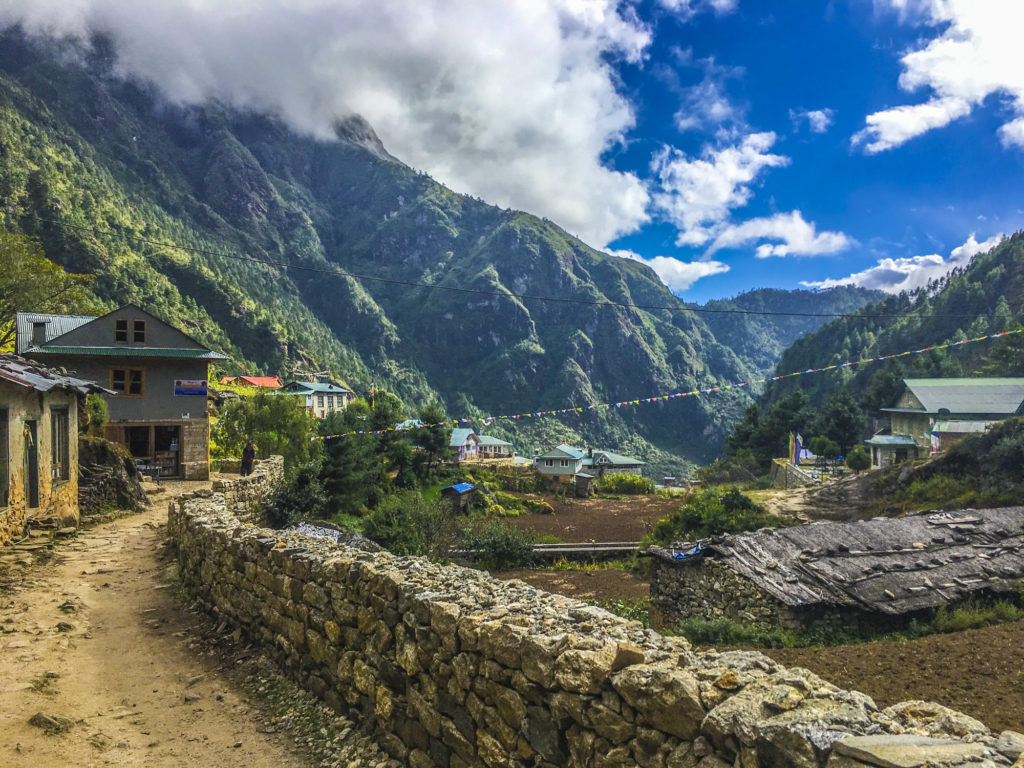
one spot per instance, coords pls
(593, 586)
(582, 520)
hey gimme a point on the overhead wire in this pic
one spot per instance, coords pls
(681, 307)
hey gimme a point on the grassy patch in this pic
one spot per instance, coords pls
(590, 565)
(631, 610)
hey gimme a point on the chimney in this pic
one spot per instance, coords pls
(39, 332)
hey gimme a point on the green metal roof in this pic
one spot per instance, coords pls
(969, 396)
(891, 440)
(488, 440)
(194, 354)
(617, 458)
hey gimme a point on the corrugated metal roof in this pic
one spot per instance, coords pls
(488, 440)
(459, 437)
(890, 565)
(891, 440)
(961, 427)
(459, 488)
(980, 395)
(56, 325)
(561, 452)
(194, 354)
(617, 458)
(30, 374)
(315, 387)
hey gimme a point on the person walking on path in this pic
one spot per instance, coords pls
(248, 457)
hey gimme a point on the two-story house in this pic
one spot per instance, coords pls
(321, 398)
(932, 414)
(158, 375)
(566, 461)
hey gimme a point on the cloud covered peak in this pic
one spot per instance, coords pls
(515, 102)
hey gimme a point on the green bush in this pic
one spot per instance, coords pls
(408, 524)
(620, 483)
(631, 610)
(726, 632)
(499, 545)
(858, 459)
(711, 512)
(96, 408)
(300, 498)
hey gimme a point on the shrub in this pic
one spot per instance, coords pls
(631, 610)
(408, 524)
(96, 409)
(620, 483)
(710, 513)
(858, 459)
(498, 544)
(301, 498)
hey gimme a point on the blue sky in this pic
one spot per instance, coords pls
(730, 144)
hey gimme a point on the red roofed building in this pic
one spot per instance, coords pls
(266, 382)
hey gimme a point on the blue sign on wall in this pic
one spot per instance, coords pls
(190, 387)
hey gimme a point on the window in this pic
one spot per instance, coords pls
(565, 462)
(139, 331)
(128, 381)
(319, 401)
(60, 447)
(4, 442)
(330, 401)
(550, 462)
(121, 331)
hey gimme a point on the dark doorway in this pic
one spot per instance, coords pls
(32, 464)
(165, 443)
(137, 439)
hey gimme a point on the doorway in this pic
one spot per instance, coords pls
(32, 464)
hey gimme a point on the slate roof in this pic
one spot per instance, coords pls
(56, 325)
(888, 565)
(977, 395)
(33, 375)
(178, 352)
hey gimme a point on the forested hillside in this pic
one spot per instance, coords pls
(985, 297)
(159, 201)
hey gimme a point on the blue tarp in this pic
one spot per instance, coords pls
(459, 488)
(693, 551)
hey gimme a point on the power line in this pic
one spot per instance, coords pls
(508, 294)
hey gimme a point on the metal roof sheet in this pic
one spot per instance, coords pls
(958, 427)
(459, 488)
(488, 440)
(30, 374)
(979, 395)
(193, 354)
(891, 440)
(561, 452)
(617, 458)
(56, 325)
(316, 387)
(460, 436)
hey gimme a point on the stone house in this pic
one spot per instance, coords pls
(39, 418)
(157, 376)
(321, 398)
(874, 573)
(933, 414)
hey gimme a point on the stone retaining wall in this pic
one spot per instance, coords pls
(453, 668)
(246, 491)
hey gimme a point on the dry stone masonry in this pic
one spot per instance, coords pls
(453, 668)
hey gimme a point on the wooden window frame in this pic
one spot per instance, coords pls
(60, 444)
(320, 401)
(138, 326)
(127, 381)
(121, 327)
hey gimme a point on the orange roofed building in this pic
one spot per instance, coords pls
(265, 382)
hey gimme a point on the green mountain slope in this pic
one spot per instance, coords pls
(760, 339)
(106, 175)
(983, 298)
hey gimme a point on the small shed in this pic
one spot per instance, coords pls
(878, 572)
(460, 496)
(584, 484)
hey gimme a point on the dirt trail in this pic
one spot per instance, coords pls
(129, 672)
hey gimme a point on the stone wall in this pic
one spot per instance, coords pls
(245, 492)
(452, 668)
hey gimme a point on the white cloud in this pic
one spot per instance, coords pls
(818, 120)
(686, 9)
(698, 194)
(907, 274)
(975, 56)
(797, 237)
(1012, 133)
(706, 105)
(678, 275)
(512, 101)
